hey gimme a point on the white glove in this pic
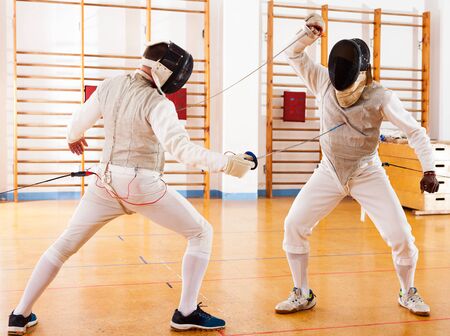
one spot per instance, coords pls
(306, 36)
(238, 165)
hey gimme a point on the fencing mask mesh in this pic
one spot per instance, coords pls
(347, 59)
(171, 65)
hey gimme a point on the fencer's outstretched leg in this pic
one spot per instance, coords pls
(317, 198)
(376, 195)
(174, 212)
(91, 214)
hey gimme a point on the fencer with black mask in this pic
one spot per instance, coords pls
(140, 124)
(350, 164)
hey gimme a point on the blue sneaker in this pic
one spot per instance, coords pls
(18, 324)
(198, 319)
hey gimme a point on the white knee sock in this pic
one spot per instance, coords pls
(298, 264)
(43, 274)
(193, 269)
(405, 274)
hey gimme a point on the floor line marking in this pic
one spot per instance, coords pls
(228, 279)
(427, 320)
(231, 260)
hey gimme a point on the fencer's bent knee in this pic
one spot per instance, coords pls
(200, 242)
(64, 247)
(295, 236)
(405, 253)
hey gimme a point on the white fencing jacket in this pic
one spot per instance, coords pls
(356, 142)
(138, 122)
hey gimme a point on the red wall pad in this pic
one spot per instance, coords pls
(294, 106)
(88, 90)
(179, 98)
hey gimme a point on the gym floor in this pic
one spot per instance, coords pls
(125, 281)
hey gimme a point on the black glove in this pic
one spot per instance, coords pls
(429, 182)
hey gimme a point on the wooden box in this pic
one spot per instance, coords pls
(406, 183)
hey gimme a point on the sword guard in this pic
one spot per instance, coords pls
(254, 159)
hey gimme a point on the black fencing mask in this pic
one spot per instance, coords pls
(347, 59)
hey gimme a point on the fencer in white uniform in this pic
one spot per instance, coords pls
(140, 124)
(347, 95)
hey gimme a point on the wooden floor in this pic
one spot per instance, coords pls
(125, 281)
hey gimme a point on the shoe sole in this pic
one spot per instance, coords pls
(19, 331)
(186, 327)
(412, 311)
(284, 312)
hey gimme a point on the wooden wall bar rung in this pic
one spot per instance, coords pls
(191, 116)
(296, 17)
(49, 125)
(42, 149)
(187, 184)
(296, 129)
(202, 128)
(46, 113)
(300, 150)
(296, 161)
(411, 100)
(343, 10)
(280, 107)
(307, 118)
(47, 101)
(357, 11)
(401, 79)
(289, 183)
(289, 85)
(350, 21)
(42, 173)
(281, 96)
(286, 5)
(55, 2)
(47, 89)
(306, 172)
(400, 24)
(294, 140)
(184, 172)
(51, 185)
(400, 68)
(56, 161)
(405, 89)
(48, 137)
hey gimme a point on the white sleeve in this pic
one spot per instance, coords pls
(84, 118)
(314, 75)
(418, 139)
(175, 140)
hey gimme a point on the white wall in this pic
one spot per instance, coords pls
(240, 48)
(439, 69)
(237, 47)
(3, 129)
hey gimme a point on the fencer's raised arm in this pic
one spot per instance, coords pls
(314, 75)
(418, 139)
(175, 140)
(84, 118)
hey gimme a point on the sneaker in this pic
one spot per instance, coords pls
(18, 324)
(296, 302)
(198, 319)
(413, 302)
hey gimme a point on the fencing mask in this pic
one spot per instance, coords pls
(346, 61)
(171, 66)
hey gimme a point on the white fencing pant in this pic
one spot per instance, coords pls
(97, 208)
(370, 187)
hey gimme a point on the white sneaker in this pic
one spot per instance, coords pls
(413, 302)
(296, 302)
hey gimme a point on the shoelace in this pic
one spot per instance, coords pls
(201, 312)
(415, 298)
